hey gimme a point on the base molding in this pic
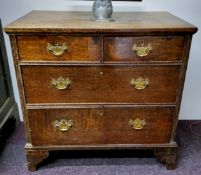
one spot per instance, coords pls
(165, 153)
(167, 156)
(34, 157)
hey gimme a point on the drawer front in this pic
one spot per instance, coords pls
(121, 125)
(140, 49)
(112, 84)
(59, 48)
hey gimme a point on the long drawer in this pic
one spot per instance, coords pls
(110, 84)
(59, 48)
(108, 125)
(143, 49)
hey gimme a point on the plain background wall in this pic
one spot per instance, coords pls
(185, 9)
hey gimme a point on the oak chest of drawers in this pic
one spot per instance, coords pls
(100, 85)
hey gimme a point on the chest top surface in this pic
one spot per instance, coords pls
(76, 22)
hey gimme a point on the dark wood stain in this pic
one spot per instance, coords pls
(80, 48)
(163, 48)
(100, 63)
(101, 126)
(89, 86)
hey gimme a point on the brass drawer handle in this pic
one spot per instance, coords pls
(63, 125)
(142, 50)
(139, 83)
(57, 50)
(61, 83)
(137, 124)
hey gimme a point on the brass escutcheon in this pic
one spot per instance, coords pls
(142, 50)
(63, 125)
(139, 83)
(137, 123)
(57, 49)
(61, 83)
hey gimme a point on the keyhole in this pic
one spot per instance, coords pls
(101, 71)
(101, 113)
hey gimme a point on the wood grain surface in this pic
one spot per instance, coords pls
(83, 22)
(80, 48)
(100, 126)
(100, 65)
(164, 48)
(89, 86)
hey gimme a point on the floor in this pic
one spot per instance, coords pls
(13, 161)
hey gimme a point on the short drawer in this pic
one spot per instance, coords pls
(110, 84)
(108, 125)
(143, 49)
(59, 48)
